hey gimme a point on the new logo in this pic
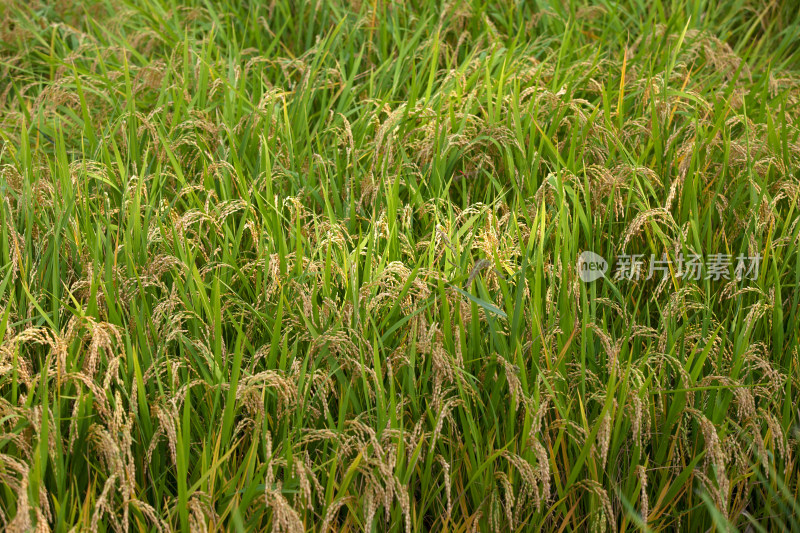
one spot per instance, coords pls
(591, 266)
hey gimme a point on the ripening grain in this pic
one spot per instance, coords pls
(313, 266)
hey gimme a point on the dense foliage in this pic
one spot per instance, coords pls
(313, 265)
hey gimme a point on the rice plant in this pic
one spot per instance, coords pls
(315, 265)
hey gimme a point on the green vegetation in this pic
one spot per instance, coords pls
(313, 265)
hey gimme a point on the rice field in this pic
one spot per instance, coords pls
(322, 265)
